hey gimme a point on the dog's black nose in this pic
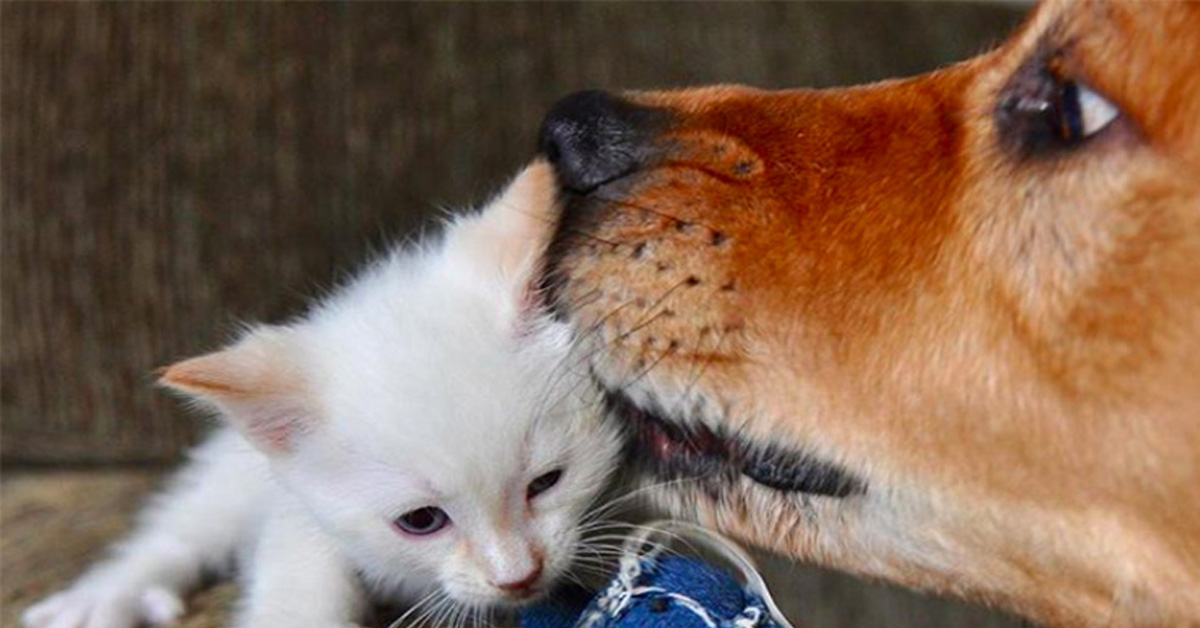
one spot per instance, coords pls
(593, 137)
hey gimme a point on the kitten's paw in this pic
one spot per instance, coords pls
(105, 606)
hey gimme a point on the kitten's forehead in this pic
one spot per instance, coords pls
(423, 366)
(465, 450)
(457, 402)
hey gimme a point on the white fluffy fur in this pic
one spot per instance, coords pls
(425, 382)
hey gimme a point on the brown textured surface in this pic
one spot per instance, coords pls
(171, 169)
(54, 523)
(167, 170)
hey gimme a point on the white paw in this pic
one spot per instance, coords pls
(102, 605)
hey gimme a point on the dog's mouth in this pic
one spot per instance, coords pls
(675, 449)
(661, 443)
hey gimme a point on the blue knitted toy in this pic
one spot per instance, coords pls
(657, 588)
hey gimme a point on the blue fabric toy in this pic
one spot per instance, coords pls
(657, 586)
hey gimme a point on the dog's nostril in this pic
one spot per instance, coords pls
(593, 137)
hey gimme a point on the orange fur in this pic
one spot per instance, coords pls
(1007, 349)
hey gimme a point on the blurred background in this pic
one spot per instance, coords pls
(170, 170)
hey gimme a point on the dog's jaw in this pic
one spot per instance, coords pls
(693, 451)
(911, 528)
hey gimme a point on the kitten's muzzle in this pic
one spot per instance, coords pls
(525, 586)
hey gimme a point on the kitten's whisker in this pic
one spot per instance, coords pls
(448, 609)
(597, 543)
(621, 540)
(593, 552)
(574, 578)
(571, 359)
(448, 613)
(597, 326)
(599, 566)
(601, 526)
(438, 603)
(665, 532)
(436, 599)
(468, 615)
(399, 621)
(449, 620)
(599, 571)
(616, 501)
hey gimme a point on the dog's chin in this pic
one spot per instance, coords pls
(688, 451)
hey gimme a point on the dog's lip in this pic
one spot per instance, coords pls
(674, 449)
(665, 447)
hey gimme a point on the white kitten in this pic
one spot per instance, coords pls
(415, 437)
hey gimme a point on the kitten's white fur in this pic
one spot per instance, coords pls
(426, 381)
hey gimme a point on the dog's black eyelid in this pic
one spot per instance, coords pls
(1038, 112)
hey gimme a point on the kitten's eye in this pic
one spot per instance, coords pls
(543, 483)
(1041, 111)
(423, 521)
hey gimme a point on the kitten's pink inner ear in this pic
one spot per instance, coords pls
(256, 387)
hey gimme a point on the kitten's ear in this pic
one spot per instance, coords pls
(257, 386)
(510, 234)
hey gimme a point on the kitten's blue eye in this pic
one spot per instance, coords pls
(543, 483)
(423, 521)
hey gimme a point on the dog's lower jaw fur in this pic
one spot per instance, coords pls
(1083, 562)
(965, 499)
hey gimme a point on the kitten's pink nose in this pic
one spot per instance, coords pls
(524, 586)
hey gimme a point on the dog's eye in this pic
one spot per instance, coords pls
(1095, 113)
(1041, 111)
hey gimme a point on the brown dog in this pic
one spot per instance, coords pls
(943, 331)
